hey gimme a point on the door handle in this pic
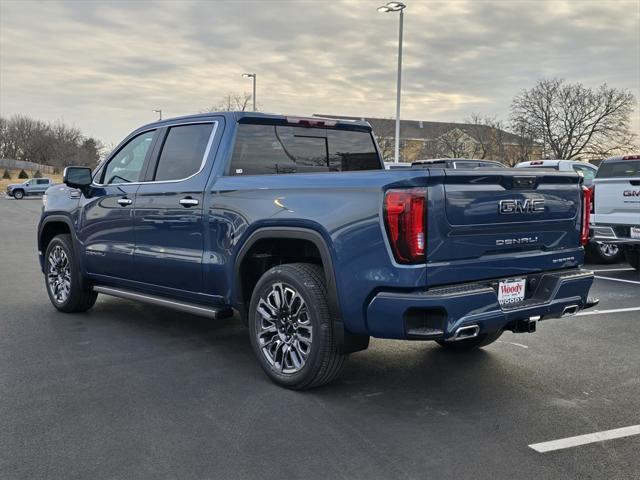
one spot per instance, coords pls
(189, 202)
(124, 201)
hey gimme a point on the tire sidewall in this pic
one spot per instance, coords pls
(320, 329)
(18, 194)
(59, 241)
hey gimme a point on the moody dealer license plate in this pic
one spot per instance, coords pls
(635, 232)
(511, 291)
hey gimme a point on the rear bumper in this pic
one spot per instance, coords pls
(613, 234)
(439, 312)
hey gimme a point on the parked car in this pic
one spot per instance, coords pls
(394, 165)
(616, 216)
(597, 252)
(33, 186)
(585, 169)
(457, 163)
(294, 224)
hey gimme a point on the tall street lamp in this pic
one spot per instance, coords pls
(389, 8)
(159, 112)
(253, 76)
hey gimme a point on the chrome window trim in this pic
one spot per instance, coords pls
(202, 164)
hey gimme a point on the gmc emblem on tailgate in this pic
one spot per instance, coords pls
(521, 206)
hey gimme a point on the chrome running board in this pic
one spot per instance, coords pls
(193, 308)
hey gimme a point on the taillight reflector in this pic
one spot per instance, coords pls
(586, 215)
(404, 216)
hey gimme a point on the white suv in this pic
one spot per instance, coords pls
(616, 216)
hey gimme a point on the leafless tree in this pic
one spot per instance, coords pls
(453, 144)
(385, 133)
(575, 121)
(487, 135)
(232, 102)
(55, 144)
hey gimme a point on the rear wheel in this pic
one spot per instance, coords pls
(291, 328)
(633, 257)
(18, 194)
(67, 289)
(599, 252)
(480, 341)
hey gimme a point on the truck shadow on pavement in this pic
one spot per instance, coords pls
(389, 371)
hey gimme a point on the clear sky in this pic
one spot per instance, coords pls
(103, 66)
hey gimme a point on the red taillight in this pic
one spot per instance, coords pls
(631, 157)
(593, 199)
(404, 217)
(586, 215)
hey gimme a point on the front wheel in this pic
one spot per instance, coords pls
(291, 328)
(18, 194)
(67, 290)
(480, 341)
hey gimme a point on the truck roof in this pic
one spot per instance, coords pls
(239, 116)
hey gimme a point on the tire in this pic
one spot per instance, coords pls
(18, 194)
(294, 343)
(67, 290)
(480, 341)
(604, 253)
(633, 257)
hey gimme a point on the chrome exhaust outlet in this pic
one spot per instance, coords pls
(570, 310)
(469, 331)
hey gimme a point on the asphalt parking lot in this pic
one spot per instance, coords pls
(135, 391)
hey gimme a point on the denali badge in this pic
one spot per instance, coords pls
(516, 241)
(521, 206)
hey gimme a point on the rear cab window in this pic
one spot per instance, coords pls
(619, 169)
(265, 149)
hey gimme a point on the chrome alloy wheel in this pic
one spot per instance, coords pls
(284, 332)
(608, 249)
(59, 274)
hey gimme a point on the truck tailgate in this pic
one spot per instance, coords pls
(494, 224)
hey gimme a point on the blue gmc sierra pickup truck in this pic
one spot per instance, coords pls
(294, 223)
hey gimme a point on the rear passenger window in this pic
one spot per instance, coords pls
(278, 149)
(183, 151)
(42, 182)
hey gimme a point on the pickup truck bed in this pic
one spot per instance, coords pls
(295, 224)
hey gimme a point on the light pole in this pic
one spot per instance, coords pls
(397, 7)
(253, 76)
(159, 112)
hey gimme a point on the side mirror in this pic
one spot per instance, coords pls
(77, 177)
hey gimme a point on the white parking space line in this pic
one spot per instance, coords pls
(585, 439)
(617, 279)
(614, 270)
(615, 310)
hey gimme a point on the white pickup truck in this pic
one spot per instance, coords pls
(616, 216)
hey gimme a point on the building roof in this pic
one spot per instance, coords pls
(423, 130)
